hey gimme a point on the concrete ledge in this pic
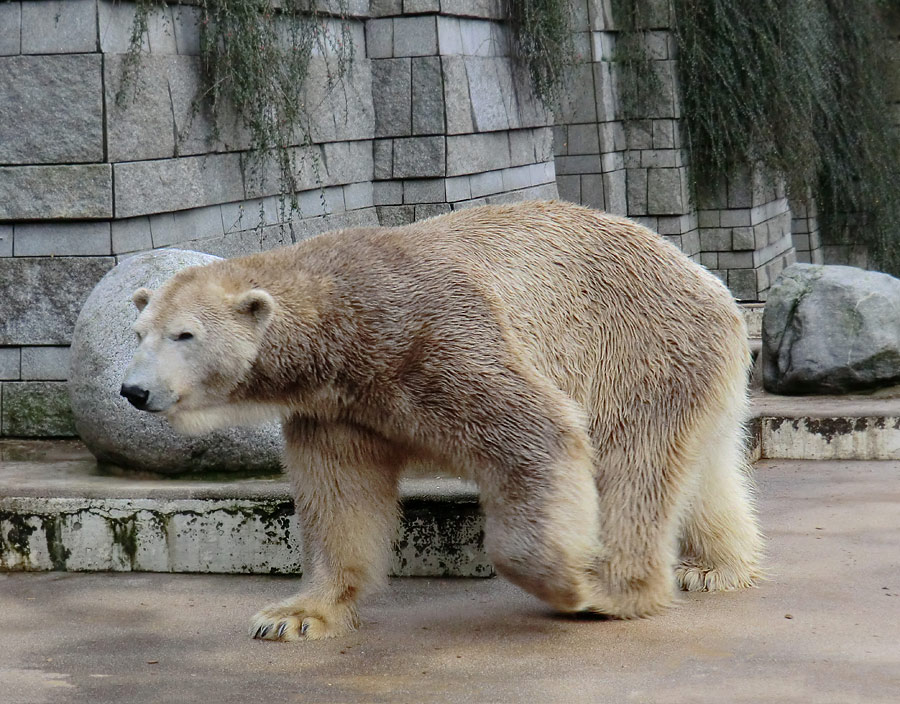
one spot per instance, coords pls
(58, 513)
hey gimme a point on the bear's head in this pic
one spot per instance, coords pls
(198, 337)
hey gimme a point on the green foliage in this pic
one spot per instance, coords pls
(798, 86)
(256, 57)
(543, 43)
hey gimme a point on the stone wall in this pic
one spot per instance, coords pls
(433, 115)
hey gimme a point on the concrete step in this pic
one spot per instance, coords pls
(58, 512)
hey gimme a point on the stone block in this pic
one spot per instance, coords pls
(735, 260)
(606, 92)
(487, 183)
(578, 99)
(411, 7)
(10, 28)
(36, 409)
(132, 235)
(45, 363)
(177, 184)
(488, 108)
(660, 158)
(516, 178)
(186, 24)
(601, 15)
(115, 21)
(59, 27)
(456, 95)
(383, 158)
(380, 39)
(612, 161)
(384, 8)
(419, 157)
(431, 210)
(637, 192)
(348, 162)
(449, 36)
(530, 146)
(428, 190)
(388, 193)
(664, 134)
(394, 215)
(427, 96)
(709, 259)
(201, 223)
(392, 97)
(735, 218)
(583, 139)
(139, 124)
(458, 188)
(742, 283)
(40, 297)
(358, 195)
(569, 188)
(715, 240)
(592, 191)
(614, 188)
(475, 153)
(665, 191)
(743, 238)
(415, 36)
(58, 239)
(477, 38)
(6, 240)
(51, 109)
(639, 134)
(10, 363)
(489, 9)
(55, 192)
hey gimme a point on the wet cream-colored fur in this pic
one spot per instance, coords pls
(590, 377)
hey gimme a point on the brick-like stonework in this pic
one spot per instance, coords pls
(433, 115)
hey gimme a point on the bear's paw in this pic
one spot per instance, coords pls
(295, 620)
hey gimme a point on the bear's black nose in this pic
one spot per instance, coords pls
(136, 396)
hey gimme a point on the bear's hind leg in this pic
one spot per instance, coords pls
(346, 492)
(721, 543)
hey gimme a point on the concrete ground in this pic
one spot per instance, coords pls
(824, 628)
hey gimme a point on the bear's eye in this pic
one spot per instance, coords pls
(184, 336)
(139, 337)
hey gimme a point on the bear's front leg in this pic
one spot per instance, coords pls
(346, 491)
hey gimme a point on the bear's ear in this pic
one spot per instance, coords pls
(141, 298)
(255, 303)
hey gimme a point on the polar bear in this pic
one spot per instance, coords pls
(586, 374)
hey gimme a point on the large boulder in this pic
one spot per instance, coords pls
(831, 329)
(117, 433)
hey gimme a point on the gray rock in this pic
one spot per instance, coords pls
(59, 27)
(831, 329)
(102, 348)
(51, 109)
(55, 192)
(391, 97)
(40, 297)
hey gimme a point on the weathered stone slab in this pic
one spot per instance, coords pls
(36, 409)
(102, 347)
(40, 297)
(59, 27)
(177, 184)
(50, 239)
(831, 329)
(139, 124)
(55, 192)
(418, 157)
(427, 96)
(10, 28)
(392, 97)
(473, 153)
(51, 109)
(45, 363)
